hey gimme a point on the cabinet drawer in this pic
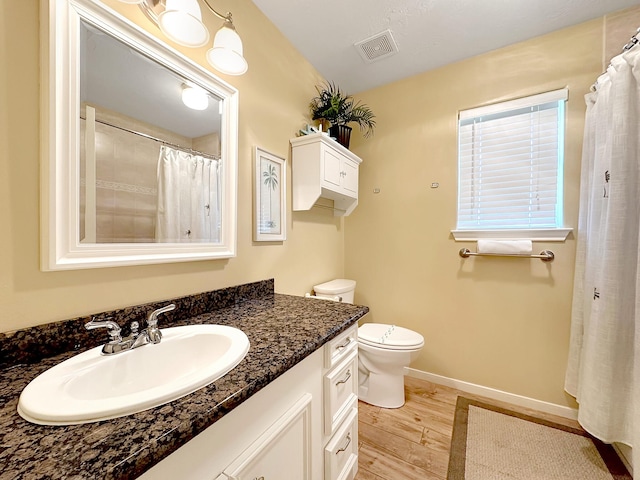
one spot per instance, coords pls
(340, 347)
(341, 453)
(340, 391)
(283, 451)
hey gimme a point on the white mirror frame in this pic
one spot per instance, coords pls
(60, 152)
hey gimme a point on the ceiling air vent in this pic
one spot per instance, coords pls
(377, 47)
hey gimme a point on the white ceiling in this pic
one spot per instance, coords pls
(428, 33)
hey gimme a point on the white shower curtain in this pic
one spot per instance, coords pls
(187, 197)
(603, 372)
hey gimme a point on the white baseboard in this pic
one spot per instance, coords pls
(521, 401)
(625, 454)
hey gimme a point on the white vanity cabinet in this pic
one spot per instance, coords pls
(301, 426)
(322, 168)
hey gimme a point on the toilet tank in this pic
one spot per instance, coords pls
(340, 287)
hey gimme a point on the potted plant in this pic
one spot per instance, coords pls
(339, 109)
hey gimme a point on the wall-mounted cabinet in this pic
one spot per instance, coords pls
(322, 168)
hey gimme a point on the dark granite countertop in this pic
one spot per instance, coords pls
(282, 329)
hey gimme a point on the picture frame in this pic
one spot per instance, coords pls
(270, 197)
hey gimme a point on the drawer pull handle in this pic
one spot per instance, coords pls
(345, 379)
(346, 445)
(344, 344)
(259, 478)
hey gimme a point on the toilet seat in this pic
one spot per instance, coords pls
(389, 337)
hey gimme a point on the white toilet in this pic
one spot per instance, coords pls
(339, 290)
(383, 351)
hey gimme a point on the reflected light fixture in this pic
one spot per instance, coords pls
(181, 21)
(195, 97)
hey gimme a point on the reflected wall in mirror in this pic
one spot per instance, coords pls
(141, 146)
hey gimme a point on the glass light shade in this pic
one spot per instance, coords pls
(226, 54)
(181, 21)
(195, 98)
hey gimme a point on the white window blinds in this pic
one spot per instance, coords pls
(510, 163)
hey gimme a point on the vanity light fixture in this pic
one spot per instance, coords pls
(226, 53)
(195, 97)
(181, 21)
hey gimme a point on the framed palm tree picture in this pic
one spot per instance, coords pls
(269, 190)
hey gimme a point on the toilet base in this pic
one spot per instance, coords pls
(383, 390)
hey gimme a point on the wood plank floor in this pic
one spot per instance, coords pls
(412, 442)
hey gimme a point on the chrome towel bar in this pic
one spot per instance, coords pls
(545, 255)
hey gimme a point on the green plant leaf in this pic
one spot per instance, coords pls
(336, 107)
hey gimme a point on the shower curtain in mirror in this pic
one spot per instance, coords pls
(188, 187)
(603, 372)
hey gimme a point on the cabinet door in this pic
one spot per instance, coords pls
(331, 167)
(340, 391)
(350, 176)
(341, 453)
(341, 346)
(282, 452)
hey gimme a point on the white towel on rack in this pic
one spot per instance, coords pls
(508, 247)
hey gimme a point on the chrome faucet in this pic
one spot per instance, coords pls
(117, 344)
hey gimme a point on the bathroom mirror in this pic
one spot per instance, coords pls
(139, 151)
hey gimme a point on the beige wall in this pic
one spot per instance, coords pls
(497, 322)
(274, 96)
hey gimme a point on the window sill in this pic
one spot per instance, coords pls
(537, 235)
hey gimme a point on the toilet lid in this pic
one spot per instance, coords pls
(380, 334)
(334, 287)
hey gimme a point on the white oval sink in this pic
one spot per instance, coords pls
(91, 386)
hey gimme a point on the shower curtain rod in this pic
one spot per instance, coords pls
(628, 46)
(633, 42)
(159, 140)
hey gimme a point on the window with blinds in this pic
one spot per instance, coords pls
(510, 164)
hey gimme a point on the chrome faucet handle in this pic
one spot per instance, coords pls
(153, 316)
(113, 329)
(155, 335)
